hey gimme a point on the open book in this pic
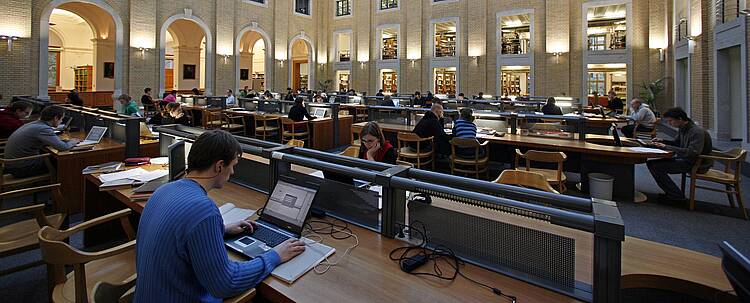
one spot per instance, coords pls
(231, 213)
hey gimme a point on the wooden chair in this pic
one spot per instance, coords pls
(291, 130)
(266, 126)
(8, 181)
(296, 143)
(351, 151)
(646, 135)
(233, 124)
(730, 177)
(113, 265)
(124, 291)
(21, 236)
(361, 114)
(469, 165)
(213, 119)
(3, 142)
(416, 157)
(553, 176)
(149, 110)
(524, 178)
(403, 163)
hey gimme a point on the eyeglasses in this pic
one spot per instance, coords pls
(371, 141)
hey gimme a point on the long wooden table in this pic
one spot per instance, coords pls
(368, 275)
(596, 154)
(69, 165)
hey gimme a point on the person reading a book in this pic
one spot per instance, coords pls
(180, 253)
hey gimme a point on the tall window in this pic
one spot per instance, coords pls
(597, 83)
(515, 34)
(389, 37)
(343, 8)
(257, 1)
(302, 7)
(343, 47)
(388, 4)
(445, 39)
(607, 27)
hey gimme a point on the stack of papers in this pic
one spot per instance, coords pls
(648, 150)
(232, 214)
(130, 177)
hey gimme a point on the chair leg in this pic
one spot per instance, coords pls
(729, 194)
(692, 193)
(682, 183)
(739, 201)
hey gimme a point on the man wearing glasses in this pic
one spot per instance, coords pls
(12, 117)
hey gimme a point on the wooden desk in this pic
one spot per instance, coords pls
(368, 275)
(584, 156)
(69, 165)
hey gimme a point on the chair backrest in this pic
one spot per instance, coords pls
(351, 151)
(465, 143)
(413, 138)
(296, 143)
(264, 120)
(542, 156)
(404, 163)
(525, 179)
(651, 133)
(289, 125)
(735, 158)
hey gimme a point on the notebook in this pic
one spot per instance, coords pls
(312, 256)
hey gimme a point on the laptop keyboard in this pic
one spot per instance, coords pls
(269, 236)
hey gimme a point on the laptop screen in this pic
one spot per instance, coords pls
(289, 205)
(320, 112)
(96, 133)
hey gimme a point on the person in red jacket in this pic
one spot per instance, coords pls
(10, 117)
(374, 145)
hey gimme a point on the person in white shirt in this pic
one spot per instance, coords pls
(641, 114)
(231, 100)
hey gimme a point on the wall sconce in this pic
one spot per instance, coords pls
(225, 58)
(10, 41)
(281, 62)
(143, 51)
(362, 64)
(661, 55)
(557, 57)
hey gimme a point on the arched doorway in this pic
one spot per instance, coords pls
(186, 48)
(80, 47)
(252, 59)
(301, 63)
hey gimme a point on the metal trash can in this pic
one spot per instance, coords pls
(600, 186)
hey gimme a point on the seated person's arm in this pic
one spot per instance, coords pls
(693, 148)
(307, 115)
(219, 275)
(49, 138)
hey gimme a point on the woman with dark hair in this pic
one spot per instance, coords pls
(374, 145)
(176, 115)
(298, 112)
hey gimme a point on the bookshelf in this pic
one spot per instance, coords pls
(390, 82)
(259, 81)
(303, 81)
(445, 44)
(390, 48)
(515, 83)
(445, 81)
(84, 78)
(343, 82)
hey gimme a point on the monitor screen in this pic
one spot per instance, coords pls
(177, 160)
(289, 203)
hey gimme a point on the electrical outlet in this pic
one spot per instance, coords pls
(408, 239)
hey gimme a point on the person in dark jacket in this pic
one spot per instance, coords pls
(10, 118)
(691, 142)
(374, 145)
(431, 125)
(176, 115)
(298, 113)
(417, 99)
(615, 103)
(74, 98)
(387, 101)
(550, 108)
(289, 94)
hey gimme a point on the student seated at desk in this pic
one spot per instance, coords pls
(614, 103)
(387, 101)
(691, 142)
(550, 108)
(298, 112)
(431, 125)
(128, 106)
(465, 128)
(640, 113)
(176, 115)
(29, 139)
(172, 97)
(180, 249)
(160, 117)
(146, 99)
(380, 93)
(374, 145)
(10, 117)
(231, 100)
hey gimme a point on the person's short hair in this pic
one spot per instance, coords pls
(211, 147)
(172, 106)
(467, 114)
(299, 100)
(19, 105)
(147, 89)
(371, 128)
(676, 113)
(461, 95)
(551, 100)
(639, 100)
(230, 90)
(436, 106)
(124, 97)
(51, 112)
(174, 92)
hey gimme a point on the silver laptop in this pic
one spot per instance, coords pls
(283, 217)
(94, 137)
(320, 112)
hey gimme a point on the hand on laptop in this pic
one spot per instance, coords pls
(239, 227)
(74, 141)
(289, 249)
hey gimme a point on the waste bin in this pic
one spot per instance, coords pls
(600, 186)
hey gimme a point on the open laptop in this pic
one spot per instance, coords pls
(319, 113)
(64, 125)
(615, 135)
(283, 217)
(94, 137)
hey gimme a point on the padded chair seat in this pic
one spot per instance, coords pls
(409, 153)
(23, 234)
(469, 161)
(266, 128)
(10, 181)
(549, 174)
(113, 270)
(716, 176)
(298, 134)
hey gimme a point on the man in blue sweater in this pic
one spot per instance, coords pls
(180, 253)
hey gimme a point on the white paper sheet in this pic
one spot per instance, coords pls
(231, 213)
(151, 175)
(648, 150)
(128, 174)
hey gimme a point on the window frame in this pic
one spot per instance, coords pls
(379, 36)
(337, 48)
(310, 7)
(379, 4)
(254, 2)
(336, 9)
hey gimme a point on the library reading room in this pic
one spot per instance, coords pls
(375, 151)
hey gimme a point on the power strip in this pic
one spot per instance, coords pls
(408, 239)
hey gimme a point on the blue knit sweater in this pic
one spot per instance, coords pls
(180, 253)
